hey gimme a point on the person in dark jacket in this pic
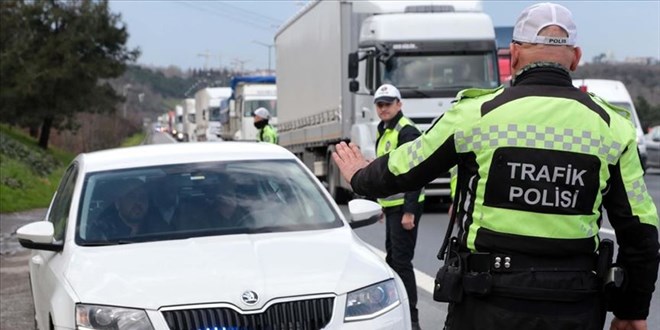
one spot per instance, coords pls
(404, 210)
(130, 213)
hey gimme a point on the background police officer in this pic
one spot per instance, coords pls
(537, 163)
(403, 210)
(267, 133)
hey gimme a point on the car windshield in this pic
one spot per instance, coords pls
(200, 199)
(214, 114)
(440, 71)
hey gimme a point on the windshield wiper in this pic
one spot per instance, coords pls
(414, 89)
(119, 242)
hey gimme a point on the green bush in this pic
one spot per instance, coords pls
(40, 162)
(29, 175)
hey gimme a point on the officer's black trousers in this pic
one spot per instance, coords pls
(541, 307)
(400, 248)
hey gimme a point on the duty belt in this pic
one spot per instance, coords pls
(496, 262)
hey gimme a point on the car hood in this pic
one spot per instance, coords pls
(219, 269)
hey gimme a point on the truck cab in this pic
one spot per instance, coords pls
(248, 94)
(430, 53)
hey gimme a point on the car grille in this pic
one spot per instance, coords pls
(310, 314)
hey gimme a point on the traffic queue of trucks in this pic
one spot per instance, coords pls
(333, 55)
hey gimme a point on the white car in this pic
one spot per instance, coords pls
(205, 236)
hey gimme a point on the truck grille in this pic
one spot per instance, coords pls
(310, 314)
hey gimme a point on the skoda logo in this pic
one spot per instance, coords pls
(250, 297)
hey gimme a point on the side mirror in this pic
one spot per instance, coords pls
(364, 212)
(353, 86)
(353, 61)
(38, 236)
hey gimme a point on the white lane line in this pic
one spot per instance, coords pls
(424, 281)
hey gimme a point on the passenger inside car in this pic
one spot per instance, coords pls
(129, 213)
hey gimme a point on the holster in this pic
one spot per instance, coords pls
(449, 279)
(612, 276)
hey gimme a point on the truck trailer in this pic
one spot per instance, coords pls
(248, 94)
(333, 55)
(207, 112)
(189, 121)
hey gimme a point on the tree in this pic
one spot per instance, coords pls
(55, 59)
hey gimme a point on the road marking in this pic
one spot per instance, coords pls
(424, 281)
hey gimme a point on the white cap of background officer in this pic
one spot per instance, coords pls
(262, 112)
(387, 94)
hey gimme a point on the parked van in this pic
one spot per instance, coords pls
(615, 92)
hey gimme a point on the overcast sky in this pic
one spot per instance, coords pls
(176, 32)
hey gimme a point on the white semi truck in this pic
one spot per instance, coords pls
(207, 112)
(249, 93)
(189, 121)
(333, 55)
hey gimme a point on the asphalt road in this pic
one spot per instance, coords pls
(16, 305)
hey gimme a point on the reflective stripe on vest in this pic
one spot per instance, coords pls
(388, 142)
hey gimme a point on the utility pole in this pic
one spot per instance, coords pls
(126, 88)
(206, 55)
(269, 46)
(239, 64)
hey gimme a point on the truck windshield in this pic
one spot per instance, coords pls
(440, 72)
(214, 114)
(251, 105)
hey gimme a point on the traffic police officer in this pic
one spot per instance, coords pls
(267, 133)
(537, 163)
(403, 210)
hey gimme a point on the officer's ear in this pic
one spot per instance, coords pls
(577, 55)
(514, 50)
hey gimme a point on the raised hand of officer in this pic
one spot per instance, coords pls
(618, 324)
(349, 159)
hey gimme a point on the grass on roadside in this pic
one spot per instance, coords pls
(134, 140)
(20, 187)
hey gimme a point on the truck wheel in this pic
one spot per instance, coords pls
(338, 193)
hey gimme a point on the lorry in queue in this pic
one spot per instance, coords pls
(207, 112)
(189, 120)
(333, 55)
(177, 130)
(249, 93)
(504, 36)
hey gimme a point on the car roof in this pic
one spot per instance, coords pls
(179, 153)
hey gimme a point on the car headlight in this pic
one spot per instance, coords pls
(372, 301)
(97, 317)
